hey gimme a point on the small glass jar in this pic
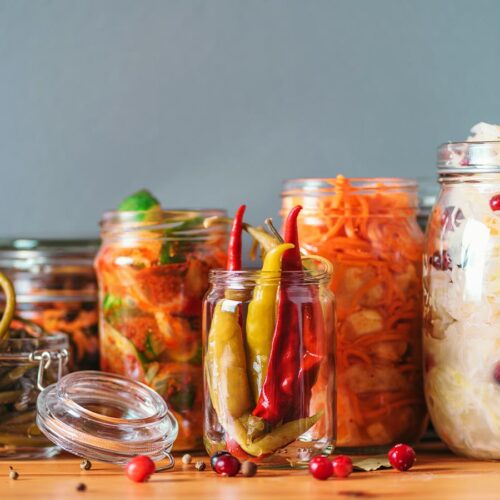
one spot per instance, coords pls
(105, 417)
(269, 397)
(29, 360)
(56, 288)
(152, 270)
(368, 229)
(462, 300)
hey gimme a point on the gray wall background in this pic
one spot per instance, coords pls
(212, 103)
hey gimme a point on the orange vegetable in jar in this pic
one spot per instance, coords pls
(152, 270)
(367, 228)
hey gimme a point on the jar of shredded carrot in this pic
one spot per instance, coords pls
(368, 229)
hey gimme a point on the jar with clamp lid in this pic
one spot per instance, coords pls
(29, 360)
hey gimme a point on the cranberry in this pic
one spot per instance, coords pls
(215, 456)
(227, 465)
(401, 457)
(495, 203)
(320, 467)
(440, 260)
(496, 373)
(342, 466)
(140, 468)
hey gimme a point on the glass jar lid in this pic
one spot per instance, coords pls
(106, 417)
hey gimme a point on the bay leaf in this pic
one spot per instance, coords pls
(371, 463)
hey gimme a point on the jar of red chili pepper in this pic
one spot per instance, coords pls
(152, 270)
(269, 355)
(56, 288)
(368, 229)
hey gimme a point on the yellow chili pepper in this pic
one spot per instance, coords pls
(225, 364)
(261, 318)
(274, 440)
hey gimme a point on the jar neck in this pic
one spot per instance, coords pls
(160, 224)
(352, 196)
(250, 278)
(470, 157)
(467, 178)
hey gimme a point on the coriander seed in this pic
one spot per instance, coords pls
(187, 459)
(85, 464)
(13, 474)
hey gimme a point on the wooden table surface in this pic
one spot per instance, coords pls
(437, 474)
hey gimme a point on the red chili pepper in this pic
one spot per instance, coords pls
(291, 260)
(294, 358)
(234, 246)
(278, 394)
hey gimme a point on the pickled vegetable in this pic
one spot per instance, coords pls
(152, 280)
(373, 241)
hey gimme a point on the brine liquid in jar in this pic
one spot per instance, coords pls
(368, 229)
(153, 273)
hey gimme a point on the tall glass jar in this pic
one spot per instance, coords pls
(152, 271)
(30, 360)
(462, 300)
(56, 288)
(368, 229)
(269, 397)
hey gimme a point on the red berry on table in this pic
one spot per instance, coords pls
(401, 457)
(227, 465)
(495, 203)
(320, 467)
(140, 468)
(342, 466)
(215, 456)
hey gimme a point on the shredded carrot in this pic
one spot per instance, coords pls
(371, 237)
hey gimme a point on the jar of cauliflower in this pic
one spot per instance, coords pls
(462, 297)
(368, 229)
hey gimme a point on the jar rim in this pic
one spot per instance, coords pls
(328, 185)
(115, 222)
(468, 157)
(48, 255)
(56, 340)
(254, 276)
(65, 420)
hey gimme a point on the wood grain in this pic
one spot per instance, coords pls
(437, 474)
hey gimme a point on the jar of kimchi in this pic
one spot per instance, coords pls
(462, 297)
(152, 270)
(368, 229)
(56, 288)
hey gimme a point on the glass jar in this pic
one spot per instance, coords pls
(152, 270)
(462, 300)
(56, 288)
(29, 360)
(368, 229)
(269, 398)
